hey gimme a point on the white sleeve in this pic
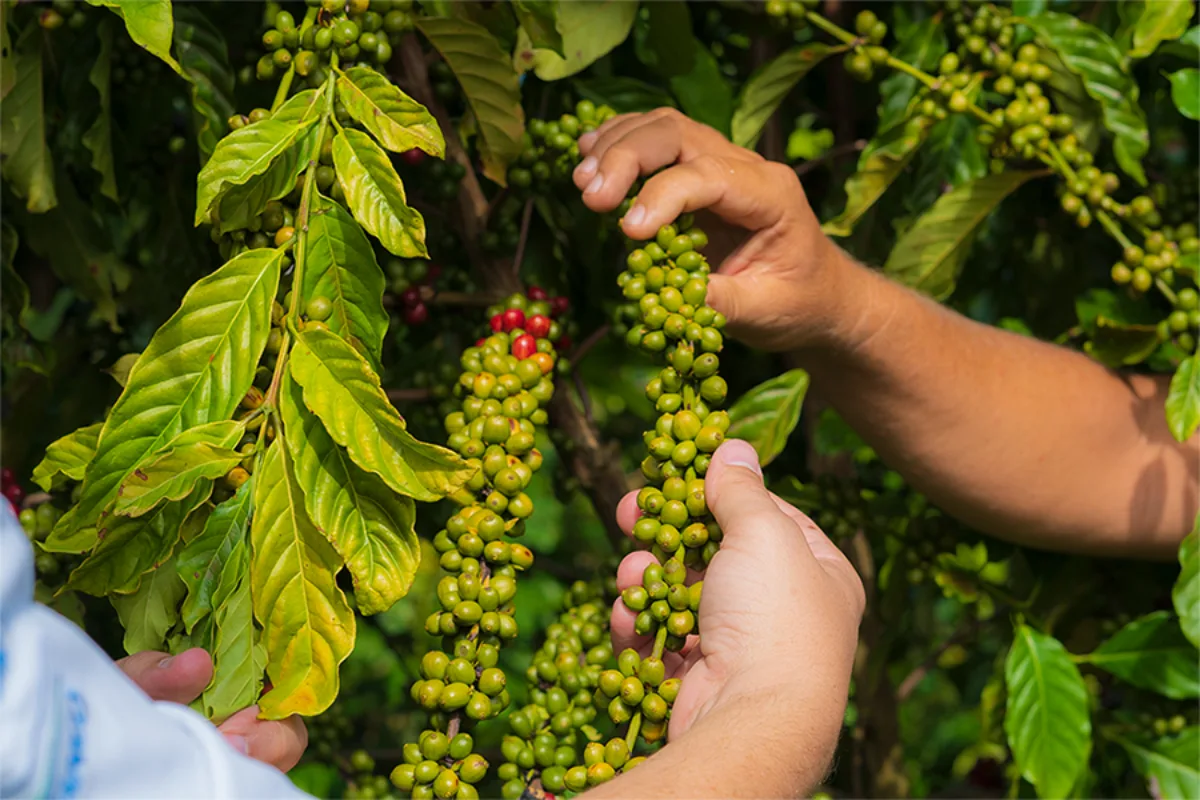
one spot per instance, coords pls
(73, 725)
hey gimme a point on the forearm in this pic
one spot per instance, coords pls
(1025, 440)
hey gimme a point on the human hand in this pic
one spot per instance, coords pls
(779, 611)
(181, 679)
(781, 283)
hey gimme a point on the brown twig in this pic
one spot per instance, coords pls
(914, 678)
(409, 395)
(585, 347)
(832, 154)
(464, 299)
(523, 239)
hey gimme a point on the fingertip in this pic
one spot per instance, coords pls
(629, 573)
(195, 663)
(737, 453)
(621, 627)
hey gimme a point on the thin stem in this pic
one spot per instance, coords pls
(837, 32)
(660, 641)
(285, 86)
(1167, 291)
(523, 239)
(302, 214)
(1113, 228)
(635, 726)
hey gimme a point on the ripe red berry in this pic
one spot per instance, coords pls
(412, 157)
(417, 314)
(563, 344)
(538, 326)
(411, 297)
(559, 306)
(514, 318)
(7, 476)
(536, 293)
(524, 346)
(496, 323)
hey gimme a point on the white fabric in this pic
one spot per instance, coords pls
(73, 725)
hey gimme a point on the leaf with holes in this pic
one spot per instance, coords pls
(340, 265)
(1185, 595)
(238, 658)
(766, 415)
(1046, 720)
(884, 158)
(196, 369)
(1152, 653)
(1091, 54)
(149, 23)
(98, 138)
(308, 627)
(395, 119)
(1159, 21)
(27, 164)
(151, 611)
(930, 254)
(489, 84)
(764, 91)
(376, 194)
(201, 560)
(1171, 765)
(342, 389)
(195, 457)
(1183, 399)
(368, 524)
(539, 20)
(67, 458)
(205, 61)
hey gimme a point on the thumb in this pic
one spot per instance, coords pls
(745, 510)
(179, 678)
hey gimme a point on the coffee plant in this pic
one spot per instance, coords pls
(260, 257)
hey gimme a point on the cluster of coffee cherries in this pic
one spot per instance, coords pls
(550, 149)
(63, 12)
(505, 384)
(547, 735)
(37, 522)
(359, 31)
(413, 281)
(538, 312)
(869, 52)
(791, 13)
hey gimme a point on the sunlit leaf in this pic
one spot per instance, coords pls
(395, 119)
(122, 367)
(1183, 399)
(149, 23)
(201, 561)
(1171, 764)
(28, 167)
(147, 614)
(1159, 21)
(766, 415)
(1185, 91)
(195, 457)
(1152, 653)
(589, 29)
(98, 138)
(539, 20)
(766, 88)
(67, 458)
(1186, 593)
(238, 659)
(375, 194)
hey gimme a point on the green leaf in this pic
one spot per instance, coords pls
(1186, 593)
(1069, 96)
(241, 205)
(539, 20)
(1183, 399)
(1171, 764)
(951, 157)
(1027, 8)
(67, 458)
(149, 23)
(921, 44)
(342, 389)
(308, 627)
(1159, 21)
(1091, 54)
(623, 94)
(663, 40)
(98, 138)
(1185, 91)
(395, 119)
(1118, 344)
(205, 61)
(151, 611)
(766, 415)
(884, 158)
(340, 265)
(590, 30)
(1046, 722)
(27, 164)
(1152, 653)
(196, 369)
(122, 367)
(201, 561)
(376, 195)
(767, 87)
(489, 84)
(195, 457)
(704, 92)
(930, 254)
(238, 659)
(8, 63)
(370, 526)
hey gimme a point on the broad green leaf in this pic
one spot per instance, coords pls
(1027, 8)
(1186, 593)
(1183, 399)
(205, 61)
(766, 88)
(921, 44)
(766, 415)
(395, 119)
(1185, 91)
(930, 255)
(98, 138)
(489, 84)
(1152, 653)
(884, 158)
(340, 265)
(201, 561)
(1091, 54)
(590, 30)
(1046, 721)
(28, 167)
(149, 23)
(122, 367)
(67, 458)
(308, 627)
(241, 205)
(704, 92)
(951, 157)
(663, 38)
(1069, 96)
(1187, 46)
(1119, 344)
(238, 659)
(342, 389)
(151, 611)
(376, 195)
(370, 526)
(1171, 765)
(1159, 21)
(539, 20)
(196, 369)
(195, 457)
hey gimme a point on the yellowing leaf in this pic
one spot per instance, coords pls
(341, 389)
(197, 456)
(67, 458)
(308, 627)
(368, 524)
(151, 611)
(395, 119)
(201, 561)
(375, 194)
(238, 659)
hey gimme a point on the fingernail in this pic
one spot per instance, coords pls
(587, 166)
(596, 185)
(239, 743)
(635, 215)
(737, 453)
(166, 662)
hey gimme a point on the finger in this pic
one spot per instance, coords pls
(178, 679)
(628, 512)
(644, 148)
(588, 140)
(279, 743)
(617, 128)
(629, 573)
(827, 554)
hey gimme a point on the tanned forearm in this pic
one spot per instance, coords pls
(1027, 441)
